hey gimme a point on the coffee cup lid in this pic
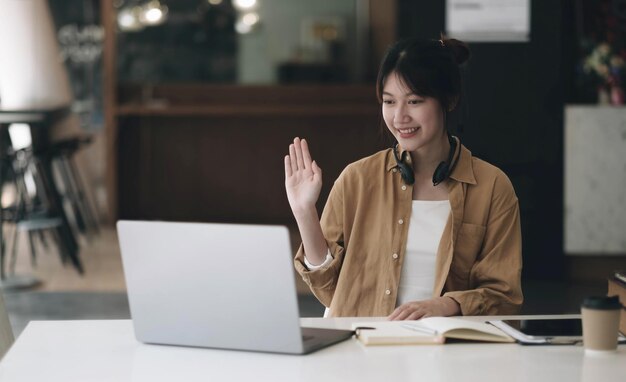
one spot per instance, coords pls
(602, 303)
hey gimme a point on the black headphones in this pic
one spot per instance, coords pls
(443, 170)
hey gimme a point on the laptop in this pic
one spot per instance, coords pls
(226, 286)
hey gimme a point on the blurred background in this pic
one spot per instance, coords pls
(183, 110)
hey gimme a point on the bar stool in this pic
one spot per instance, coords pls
(30, 212)
(14, 213)
(39, 206)
(72, 187)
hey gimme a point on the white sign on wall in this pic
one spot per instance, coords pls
(488, 20)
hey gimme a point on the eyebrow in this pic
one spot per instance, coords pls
(407, 94)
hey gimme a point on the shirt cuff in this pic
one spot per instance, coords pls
(312, 267)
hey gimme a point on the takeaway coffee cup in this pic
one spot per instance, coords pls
(600, 317)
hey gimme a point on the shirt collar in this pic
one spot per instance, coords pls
(463, 171)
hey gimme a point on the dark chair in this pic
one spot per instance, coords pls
(72, 188)
(30, 212)
(38, 207)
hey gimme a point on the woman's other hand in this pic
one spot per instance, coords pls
(414, 310)
(303, 177)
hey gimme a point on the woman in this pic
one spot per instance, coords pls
(421, 229)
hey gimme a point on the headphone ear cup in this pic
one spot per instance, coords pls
(441, 173)
(407, 173)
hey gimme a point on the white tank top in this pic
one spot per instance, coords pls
(417, 280)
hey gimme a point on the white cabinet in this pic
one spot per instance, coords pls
(595, 180)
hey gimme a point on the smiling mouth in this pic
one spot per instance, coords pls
(408, 130)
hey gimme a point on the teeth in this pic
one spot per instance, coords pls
(408, 131)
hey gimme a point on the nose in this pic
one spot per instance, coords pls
(401, 115)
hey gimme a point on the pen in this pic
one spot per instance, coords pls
(420, 329)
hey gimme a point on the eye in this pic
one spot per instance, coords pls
(415, 101)
(387, 101)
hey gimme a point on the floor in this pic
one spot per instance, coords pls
(100, 256)
(101, 294)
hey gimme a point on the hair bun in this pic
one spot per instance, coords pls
(460, 50)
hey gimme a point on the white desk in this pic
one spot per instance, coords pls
(107, 351)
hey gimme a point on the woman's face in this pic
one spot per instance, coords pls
(415, 121)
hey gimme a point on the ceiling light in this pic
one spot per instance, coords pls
(153, 13)
(244, 4)
(250, 18)
(128, 19)
(242, 28)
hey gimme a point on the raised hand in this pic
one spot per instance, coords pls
(303, 177)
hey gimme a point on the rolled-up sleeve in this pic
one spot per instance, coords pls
(495, 277)
(323, 280)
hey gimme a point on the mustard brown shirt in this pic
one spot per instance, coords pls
(365, 223)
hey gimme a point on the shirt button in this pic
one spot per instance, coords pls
(395, 170)
(387, 292)
(400, 221)
(403, 188)
(395, 255)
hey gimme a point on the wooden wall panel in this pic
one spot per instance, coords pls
(230, 168)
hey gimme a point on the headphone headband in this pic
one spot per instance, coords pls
(443, 170)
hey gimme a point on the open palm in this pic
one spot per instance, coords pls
(303, 178)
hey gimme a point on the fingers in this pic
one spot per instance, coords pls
(408, 311)
(298, 149)
(396, 313)
(306, 155)
(300, 157)
(292, 158)
(416, 315)
(403, 315)
(288, 171)
(393, 315)
(316, 169)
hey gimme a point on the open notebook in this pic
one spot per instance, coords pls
(431, 330)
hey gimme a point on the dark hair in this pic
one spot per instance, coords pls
(429, 68)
